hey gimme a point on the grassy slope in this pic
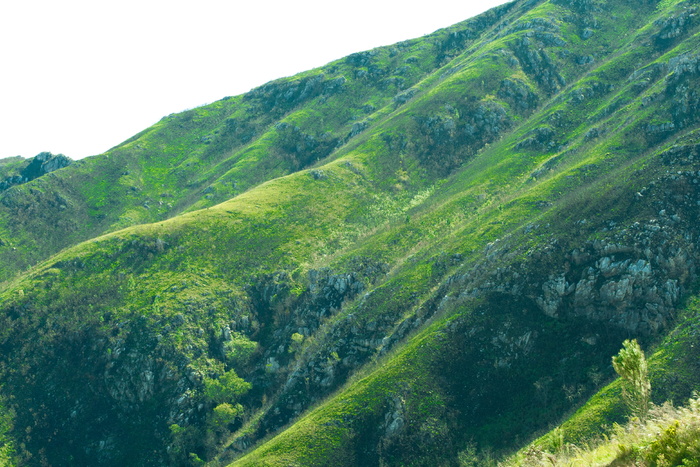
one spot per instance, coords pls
(674, 375)
(597, 196)
(379, 196)
(206, 155)
(669, 437)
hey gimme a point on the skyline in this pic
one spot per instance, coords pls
(81, 77)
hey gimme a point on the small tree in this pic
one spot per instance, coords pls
(224, 414)
(631, 365)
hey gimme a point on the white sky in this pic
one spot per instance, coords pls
(80, 76)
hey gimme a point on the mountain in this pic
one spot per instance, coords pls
(415, 255)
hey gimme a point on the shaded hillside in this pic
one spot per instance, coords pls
(405, 255)
(589, 437)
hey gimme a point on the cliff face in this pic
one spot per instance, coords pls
(410, 253)
(34, 168)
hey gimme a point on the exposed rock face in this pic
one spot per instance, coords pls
(519, 94)
(302, 149)
(622, 285)
(44, 163)
(540, 138)
(537, 63)
(631, 277)
(128, 400)
(39, 165)
(447, 141)
(309, 380)
(282, 96)
(675, 27)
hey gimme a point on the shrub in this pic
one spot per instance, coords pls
(225, 389)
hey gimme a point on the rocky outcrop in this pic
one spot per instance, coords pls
(673, 28)
(518, 94)
(541, 138)
(446, 141)
(37, 166)
(303, 149)
(685, 109)
(281, 96)
(454, 40)
(632, 276)
(537, 63)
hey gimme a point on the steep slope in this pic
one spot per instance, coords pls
(203, 156)
(593, 429)
(453, 269)
(587, 255)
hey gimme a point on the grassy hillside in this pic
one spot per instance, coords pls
(417, 255)
(670, 437)
(203, 156)
(602, 432)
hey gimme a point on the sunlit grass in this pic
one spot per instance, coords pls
(671, 436)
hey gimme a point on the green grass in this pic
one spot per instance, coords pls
(669, 437)
(210, 222)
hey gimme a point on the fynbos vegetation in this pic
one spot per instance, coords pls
(422, 254)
